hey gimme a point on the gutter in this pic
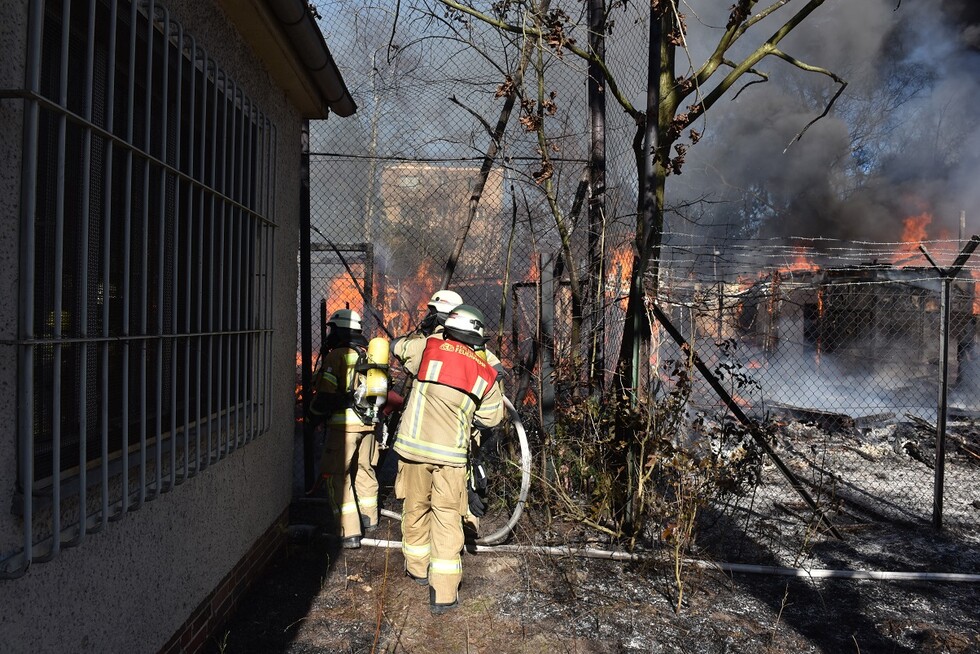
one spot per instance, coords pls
(306, 39)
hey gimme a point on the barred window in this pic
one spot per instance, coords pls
(148, 238)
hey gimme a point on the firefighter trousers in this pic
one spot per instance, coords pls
(347, 467)
(432, 530)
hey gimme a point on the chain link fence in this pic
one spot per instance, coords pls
(853, 361)
(843, 352)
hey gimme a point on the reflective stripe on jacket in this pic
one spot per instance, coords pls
(437, 420)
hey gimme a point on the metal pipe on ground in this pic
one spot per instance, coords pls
(746, 568)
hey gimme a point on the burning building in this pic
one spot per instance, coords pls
(873, 313)
(426, 205)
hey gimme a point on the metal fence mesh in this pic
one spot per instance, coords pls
(834, 346)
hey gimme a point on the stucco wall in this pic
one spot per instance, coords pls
(129, 588)
(13, 26)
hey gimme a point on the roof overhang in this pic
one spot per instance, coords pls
(286, 38)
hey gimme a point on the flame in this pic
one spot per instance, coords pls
(802, 261)
(534, 272)
(914, 231)
(741, 401)
(621, 266)
(975, 274)
(342, 293)
(531, 398)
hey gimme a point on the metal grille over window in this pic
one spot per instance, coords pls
(147, 241)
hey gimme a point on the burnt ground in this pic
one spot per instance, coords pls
(318, 598)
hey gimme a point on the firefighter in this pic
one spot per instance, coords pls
(404, 348)
(440, 305)
(350, 452)
(454, 390)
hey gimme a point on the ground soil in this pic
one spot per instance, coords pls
(318, 598)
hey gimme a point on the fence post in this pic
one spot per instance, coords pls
(940, 468)
(306, 303)
(546, 329)
(546, 334)
(947, 275)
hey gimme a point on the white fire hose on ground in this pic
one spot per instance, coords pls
(746, 568)
(501, 534)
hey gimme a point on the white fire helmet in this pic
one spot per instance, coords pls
(465, 324)
(345, 319)
(445, 301)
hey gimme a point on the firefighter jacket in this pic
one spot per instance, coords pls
(453, 390)
(333, 390)
(408, 350)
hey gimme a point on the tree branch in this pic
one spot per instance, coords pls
(473, 113)
(747, 64)
(614, 89)
(843, 85)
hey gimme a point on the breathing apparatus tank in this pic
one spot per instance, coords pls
(377, 370)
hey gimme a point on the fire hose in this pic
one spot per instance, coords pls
(501, 534)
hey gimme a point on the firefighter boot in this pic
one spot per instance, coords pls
(439, 609)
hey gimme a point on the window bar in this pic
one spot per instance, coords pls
(211, 259)
(263, 316)
(127, 259)
(106, 258)
(175, 294)
(233, 238)
(262, 282)
(199, 263)
(144, 342)
(237, 324)
(189, 251)
(270, 265)
(161, 250)
(221, 215)
(260, 253)
(220, 184)
(83, 284)
(245, 312)
(227, 267)
(57, 317)
(25, 386)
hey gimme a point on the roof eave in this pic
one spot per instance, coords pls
(287, 39)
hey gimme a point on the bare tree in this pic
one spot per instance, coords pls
(674, 103)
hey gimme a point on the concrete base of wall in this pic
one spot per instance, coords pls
(214, 612)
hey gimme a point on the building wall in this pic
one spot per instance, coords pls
(131, 587)
(13, 25)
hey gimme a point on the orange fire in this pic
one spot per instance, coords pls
(534, 272)
(802, 260)
(342, 293)
(741, 401)
(619, 270)
(914, 231)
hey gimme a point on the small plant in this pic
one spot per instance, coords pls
(641, 470)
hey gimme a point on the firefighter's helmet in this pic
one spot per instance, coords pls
(345, 319)
(445, 301)
(466, 325)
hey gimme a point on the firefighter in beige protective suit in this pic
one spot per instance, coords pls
(454, 390)
(350, 450)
